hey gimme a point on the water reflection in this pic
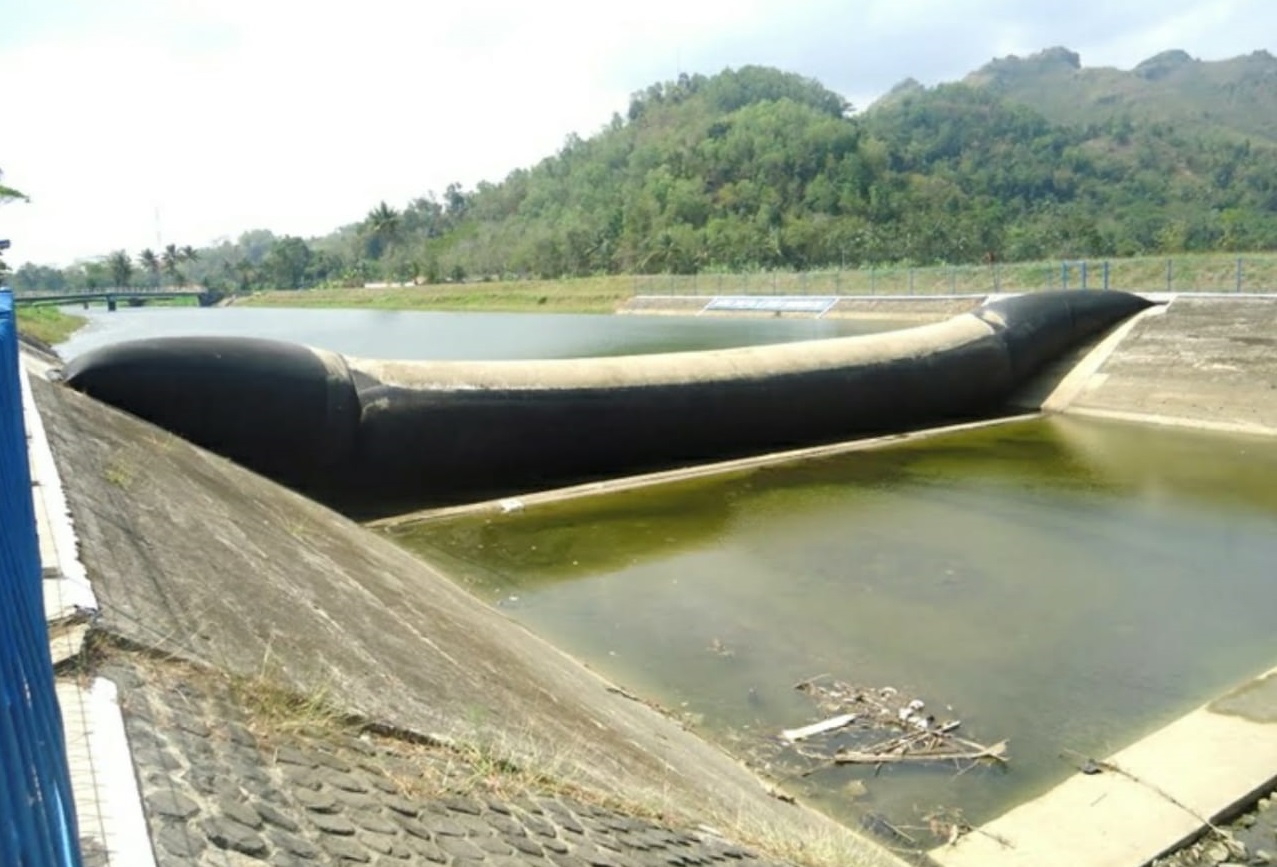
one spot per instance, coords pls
(1065, 583)
(407, 334)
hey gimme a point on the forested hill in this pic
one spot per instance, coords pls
(759, 168)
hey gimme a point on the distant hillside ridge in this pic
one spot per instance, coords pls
(1237, 96)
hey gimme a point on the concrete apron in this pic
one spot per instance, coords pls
(1145, 800)
(1196, 361)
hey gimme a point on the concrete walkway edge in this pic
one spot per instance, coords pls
(108, 805)
(1146, 800)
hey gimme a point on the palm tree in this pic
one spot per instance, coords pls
(187, 254)
(150, 262)
(171, 257)
(121, 267)
(382, 226)
(8, 194)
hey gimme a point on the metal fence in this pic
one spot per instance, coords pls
(37, 814)
(1206, 273)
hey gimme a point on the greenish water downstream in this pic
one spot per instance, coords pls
(1065, 584)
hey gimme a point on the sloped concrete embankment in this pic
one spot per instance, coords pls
(1206, 362)
(193, 556)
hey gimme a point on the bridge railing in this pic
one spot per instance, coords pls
(186, 289)
(37, 813)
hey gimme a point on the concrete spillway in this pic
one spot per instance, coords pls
(386, 435)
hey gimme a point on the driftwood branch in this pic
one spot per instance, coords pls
(971, 753)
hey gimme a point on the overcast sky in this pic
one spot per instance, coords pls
(133, 123)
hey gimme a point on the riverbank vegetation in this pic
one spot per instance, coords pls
(47, 324)
(601, 294)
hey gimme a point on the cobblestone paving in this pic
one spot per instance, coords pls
(1250, 839)
(220, 791)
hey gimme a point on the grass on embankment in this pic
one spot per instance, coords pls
(47, 324)
(1210, 272)
(581, 295)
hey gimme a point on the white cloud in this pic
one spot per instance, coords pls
(227, 115)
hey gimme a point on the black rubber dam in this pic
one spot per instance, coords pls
(378, 437)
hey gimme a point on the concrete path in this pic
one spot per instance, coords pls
(108, 808)
(1145, 800)
(1206, 362)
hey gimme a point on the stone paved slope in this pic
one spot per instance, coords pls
(223, 787)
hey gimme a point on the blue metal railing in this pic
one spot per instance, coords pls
(37, 813)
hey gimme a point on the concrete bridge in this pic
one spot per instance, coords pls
(111, 296)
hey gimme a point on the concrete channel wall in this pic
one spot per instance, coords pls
(1207, 361)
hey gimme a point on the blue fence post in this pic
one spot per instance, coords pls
(1170, 274)
(37, 812)
(1106, 274)
(1239, 274)
(1082, 268)
(1064, 275)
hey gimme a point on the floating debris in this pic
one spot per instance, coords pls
(859, 717)
(826, 725)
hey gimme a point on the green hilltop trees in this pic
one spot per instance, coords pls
(755, 168)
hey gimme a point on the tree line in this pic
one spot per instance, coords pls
(761, 169)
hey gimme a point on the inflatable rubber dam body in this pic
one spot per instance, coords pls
(380, 437)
